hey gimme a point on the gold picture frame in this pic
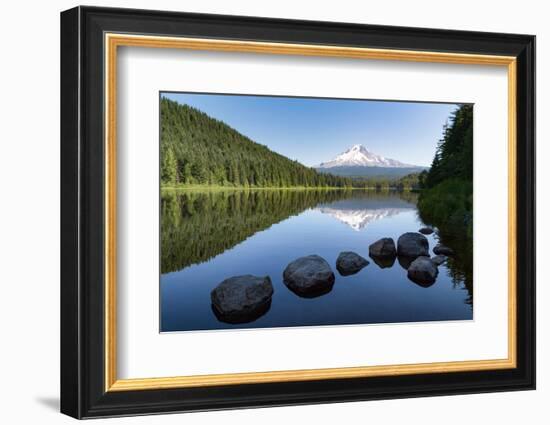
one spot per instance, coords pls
(114, 41)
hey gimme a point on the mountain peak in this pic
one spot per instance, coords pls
(358, 148)
(359, 156)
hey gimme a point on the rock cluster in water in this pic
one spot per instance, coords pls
(242, 299)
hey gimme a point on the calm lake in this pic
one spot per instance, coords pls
(207, 237)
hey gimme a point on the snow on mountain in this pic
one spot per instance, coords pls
(360, 156)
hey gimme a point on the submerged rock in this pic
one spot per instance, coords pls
(438, 259)
(443, 250)
(349, 263)
(242, 299)
(422, 271)
(309, 276)
(426, 230)
(412, 244)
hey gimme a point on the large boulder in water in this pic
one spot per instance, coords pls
(384, 247)
(412, 244)
(309, 276)
(349, 263)
(422, 271)
(383, 252)
(242, 299)
(443, 250)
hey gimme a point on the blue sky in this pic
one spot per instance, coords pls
(316, 130)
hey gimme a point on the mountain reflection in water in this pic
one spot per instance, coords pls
(358, 219)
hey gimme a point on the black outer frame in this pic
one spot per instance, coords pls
(82, 212)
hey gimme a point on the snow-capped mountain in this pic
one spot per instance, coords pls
(360, 156)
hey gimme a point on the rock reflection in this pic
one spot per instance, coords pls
(242, 317)
(383, 262)
(405, 262)
(314, 293)
(422, 283)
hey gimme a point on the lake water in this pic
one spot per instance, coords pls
(207, 237)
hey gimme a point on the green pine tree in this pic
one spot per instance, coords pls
(169, 168)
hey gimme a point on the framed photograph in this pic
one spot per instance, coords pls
(261, 212)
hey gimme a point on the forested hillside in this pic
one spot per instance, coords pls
(447, 196)
(197, 149)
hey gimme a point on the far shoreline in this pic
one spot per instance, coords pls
(253, 188)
